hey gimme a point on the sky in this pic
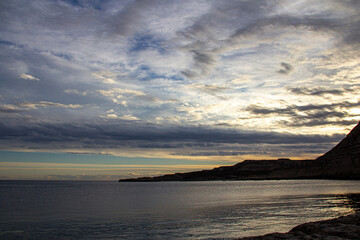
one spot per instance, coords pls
(102, 90)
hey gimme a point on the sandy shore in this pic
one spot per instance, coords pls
(346, 227)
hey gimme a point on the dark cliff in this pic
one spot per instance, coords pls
(341, 162)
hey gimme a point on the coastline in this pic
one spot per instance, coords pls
(344, 227)
(341, 162)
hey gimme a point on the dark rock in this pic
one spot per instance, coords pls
(345, 227)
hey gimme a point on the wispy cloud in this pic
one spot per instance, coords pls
(121, 96)
(106, 76)
(46, 104)
(312, 114)
(8, 108)
(28, 77)
(124, 117)
(74, 91)
(320, 91)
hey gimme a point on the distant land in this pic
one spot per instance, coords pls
(341, 162)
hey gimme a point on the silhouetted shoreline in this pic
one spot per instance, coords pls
(341, 162)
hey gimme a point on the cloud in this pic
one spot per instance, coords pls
(311, 114)
(210, 36)
(203, 63)
(124, 117)
(104, 177)
(318, 91)
(209, 89)
(263, 22)
(28, 77)
(211, 58)
(289, 110)
(28, 105)
(319, 122)
(260, 150)
(47, 104)
(129, 18)
(8, 108)
(115, 91)
(132, 138)
(106, 76)
(118, 95)
(286, 68)
(74, 91)
(123, 133)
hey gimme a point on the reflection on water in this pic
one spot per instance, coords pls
(350, 201)
(168, 210)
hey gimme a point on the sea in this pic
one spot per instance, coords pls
(168, 210)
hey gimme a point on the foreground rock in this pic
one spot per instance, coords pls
(341, 162)
(347, 227)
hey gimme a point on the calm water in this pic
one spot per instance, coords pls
(168, 210)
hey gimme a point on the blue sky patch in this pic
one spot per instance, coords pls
(144, 42)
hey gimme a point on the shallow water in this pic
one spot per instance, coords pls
(168, 210)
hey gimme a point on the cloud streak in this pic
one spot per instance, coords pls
(28, 77)
(319, 91)
(312, 114)
(37, 105)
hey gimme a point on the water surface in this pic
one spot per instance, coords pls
(168, 210)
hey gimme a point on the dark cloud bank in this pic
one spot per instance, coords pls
(130, 135)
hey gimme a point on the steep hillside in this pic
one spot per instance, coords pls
(343, 161)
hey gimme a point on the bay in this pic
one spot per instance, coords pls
(168, 210)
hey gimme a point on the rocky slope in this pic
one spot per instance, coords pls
(341, 162)
(346, 227)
